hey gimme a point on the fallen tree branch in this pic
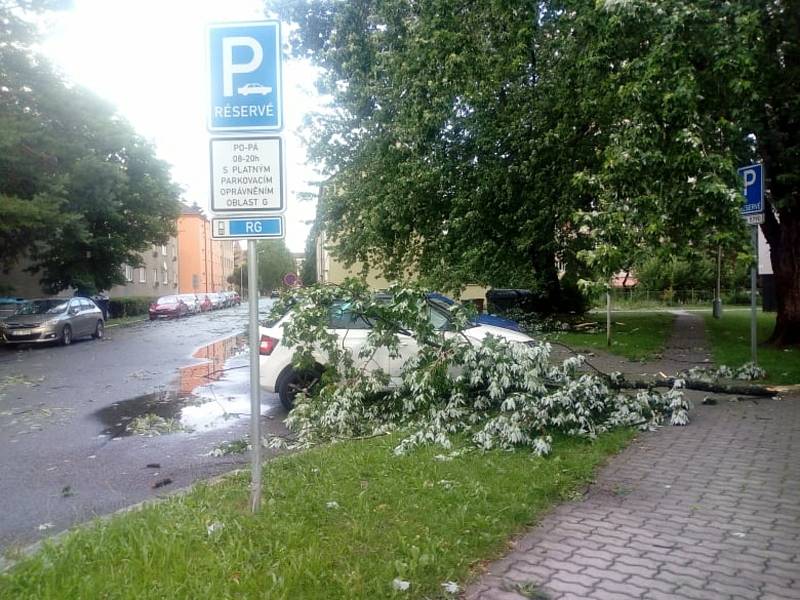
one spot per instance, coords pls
(716, 387)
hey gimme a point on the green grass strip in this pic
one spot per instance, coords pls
(338, 522)
(730, 345)
(634, 335)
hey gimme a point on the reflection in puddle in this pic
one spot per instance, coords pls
(209, 395)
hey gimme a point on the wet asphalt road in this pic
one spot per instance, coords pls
(65, 453)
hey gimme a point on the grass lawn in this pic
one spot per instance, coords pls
(122, 321)
(338, 522)
(730, 345)
(634, 335)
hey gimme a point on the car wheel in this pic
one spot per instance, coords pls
(66, 335)
(294, 382)
(98, 331)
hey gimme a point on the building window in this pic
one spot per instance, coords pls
(128, 273)
(155, 277)
(165, 279)
(163, 250)
(142, 275)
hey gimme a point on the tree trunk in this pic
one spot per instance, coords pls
(784, 243)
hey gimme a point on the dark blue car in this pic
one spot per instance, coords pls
(483, 319)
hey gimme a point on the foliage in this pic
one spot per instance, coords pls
(482, 141)
(308, 273)
(746, 372)
(686, 271)
(498, 394)
(427, 519)
(80, 192)
(129, 306)
(274, 261)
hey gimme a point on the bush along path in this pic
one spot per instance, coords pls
(706, 511)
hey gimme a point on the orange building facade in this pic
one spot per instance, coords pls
(204, 265)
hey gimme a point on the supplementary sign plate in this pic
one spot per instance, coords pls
(247, 175)
(249, 227)
(756, 219)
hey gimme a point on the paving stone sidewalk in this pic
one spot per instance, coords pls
(709, 511)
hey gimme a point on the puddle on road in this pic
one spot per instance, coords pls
(207, 396)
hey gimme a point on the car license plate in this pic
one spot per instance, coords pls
(21, 331)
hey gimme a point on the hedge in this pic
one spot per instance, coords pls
(129, 306)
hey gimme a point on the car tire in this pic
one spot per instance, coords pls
(99, 331)
(292, 382)
(66, 335)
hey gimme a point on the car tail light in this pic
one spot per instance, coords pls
(267, 345)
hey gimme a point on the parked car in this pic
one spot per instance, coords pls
(237, 299)
(168, 306)
(10, 305)
(53, 320)
(205, 303)
(480, 318)
(192, 302)
(278, 374)
(217, 301)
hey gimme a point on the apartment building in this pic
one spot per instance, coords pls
(204, 264)
(158, 275)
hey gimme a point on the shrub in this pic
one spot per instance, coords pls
(129, 306)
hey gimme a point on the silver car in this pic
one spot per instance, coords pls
(192, 302)
(53, 320)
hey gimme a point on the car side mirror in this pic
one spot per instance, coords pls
(74, 310)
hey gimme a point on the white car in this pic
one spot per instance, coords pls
(254, 88)
(279, 376)
(192, 302)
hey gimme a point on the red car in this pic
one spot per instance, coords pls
(205, 302)
(168, 306)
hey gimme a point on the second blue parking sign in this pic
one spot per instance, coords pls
(245, 66)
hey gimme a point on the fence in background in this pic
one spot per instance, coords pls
(680, 297)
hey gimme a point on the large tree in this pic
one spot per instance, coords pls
(80, 192)
(485, 140)
(274, 261)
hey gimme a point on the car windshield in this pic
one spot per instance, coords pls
(168, 300)
(44, 307)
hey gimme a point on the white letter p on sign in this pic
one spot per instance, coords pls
(749, 177)
(229, 68)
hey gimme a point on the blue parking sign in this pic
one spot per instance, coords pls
(753, 188)
(245, 65)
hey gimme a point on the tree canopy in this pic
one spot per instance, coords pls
(80, 192)
(496, 142)
(274, 261)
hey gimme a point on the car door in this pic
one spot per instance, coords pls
(75, 317)
(88, 316)
(352, 331)
(407, 346)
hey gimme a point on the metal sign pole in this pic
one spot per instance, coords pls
(753, 270)
(255, 383)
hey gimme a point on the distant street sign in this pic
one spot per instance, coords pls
(753, 189)
(291, 279)
(245, 64)
(252, 228)
(247, 175)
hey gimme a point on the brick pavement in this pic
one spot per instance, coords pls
(709, 511)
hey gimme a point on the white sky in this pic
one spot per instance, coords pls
(148, 57)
